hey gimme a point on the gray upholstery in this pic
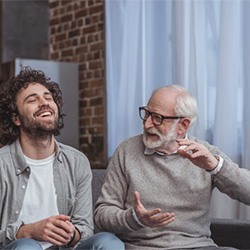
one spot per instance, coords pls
(225, 232)
(98, 179)
(234, 233)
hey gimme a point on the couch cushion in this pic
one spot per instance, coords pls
(231, 232)
(97, 181)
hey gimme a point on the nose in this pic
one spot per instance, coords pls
(148, 123)
(43, 102)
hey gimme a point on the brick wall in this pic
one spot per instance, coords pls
(76, 34)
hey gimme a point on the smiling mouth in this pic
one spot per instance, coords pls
(44, 114)
(150, 133)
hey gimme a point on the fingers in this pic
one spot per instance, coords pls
(192, 149)
(162, 219)
(57, 230)
(62, 217)
(152, 218)
(65, 226)
(197, 153)
(71, 228)
(138, 206)
(137, 201)
(155, 218)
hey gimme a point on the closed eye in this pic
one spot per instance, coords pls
(31, 100)
(48, 97)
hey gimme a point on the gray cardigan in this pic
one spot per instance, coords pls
(72, 178)
(169, 182)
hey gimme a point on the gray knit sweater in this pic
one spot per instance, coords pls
(169, 182)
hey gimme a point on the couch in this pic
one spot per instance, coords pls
(225, 232)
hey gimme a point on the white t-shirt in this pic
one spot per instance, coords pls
(40, 200)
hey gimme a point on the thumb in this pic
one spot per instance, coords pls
(137, 200)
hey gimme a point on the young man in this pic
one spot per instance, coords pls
(158, 186)
(45, 186)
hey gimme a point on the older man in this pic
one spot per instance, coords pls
(159, 185)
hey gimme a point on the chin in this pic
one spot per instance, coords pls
(150, 143)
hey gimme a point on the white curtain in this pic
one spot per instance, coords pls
(202, 45)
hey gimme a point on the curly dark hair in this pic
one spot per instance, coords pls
(8, 108)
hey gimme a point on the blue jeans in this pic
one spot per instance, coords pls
(23, 244)
(99, 241)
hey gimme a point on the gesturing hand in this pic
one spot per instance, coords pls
(151, 218)
(198, 154)
(58, 230)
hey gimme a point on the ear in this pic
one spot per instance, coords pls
(184, 125)
(15, 119)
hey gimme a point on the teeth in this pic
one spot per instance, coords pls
(45, 113)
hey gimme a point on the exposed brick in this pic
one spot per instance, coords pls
(77, 35)
(53, 4)
(81, 13)
(96, 64)
(60, 37)
(97, 120)
(68, 52)
(96, 9)
(74, 33)
(97, 46)
(96, 101)
(54, 21)
(65, 2)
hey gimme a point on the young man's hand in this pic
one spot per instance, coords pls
(57, 230)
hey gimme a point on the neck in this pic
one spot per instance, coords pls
(169, 149)
(37, 148)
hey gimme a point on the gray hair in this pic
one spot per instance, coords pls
(186, 104)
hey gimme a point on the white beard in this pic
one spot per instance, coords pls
(164, 141)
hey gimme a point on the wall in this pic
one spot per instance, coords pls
(24, 29)
(76, 34)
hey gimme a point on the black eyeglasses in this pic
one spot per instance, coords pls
(157, 119)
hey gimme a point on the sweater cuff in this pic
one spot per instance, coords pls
(137, 219)
(219, 166)
(132, 221)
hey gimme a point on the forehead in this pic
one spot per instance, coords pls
(163, 101)
(32, 88)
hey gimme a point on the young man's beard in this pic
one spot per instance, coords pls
(38, 129)
(163, 141)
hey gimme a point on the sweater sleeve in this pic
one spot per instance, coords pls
(110, 211)
(233, 181)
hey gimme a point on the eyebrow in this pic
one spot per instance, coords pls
(34, 95)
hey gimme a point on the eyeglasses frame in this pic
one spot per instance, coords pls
(162, 116)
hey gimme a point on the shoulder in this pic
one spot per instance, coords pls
(10, 158)
(134, 140)
(5, 149)
(75, 162)
(72, 154)
(131, 146)
(8, 151)
(132, 143)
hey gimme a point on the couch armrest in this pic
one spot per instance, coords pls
(231, 232)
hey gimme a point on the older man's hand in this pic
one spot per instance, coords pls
(198, 154)
(151, 218)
